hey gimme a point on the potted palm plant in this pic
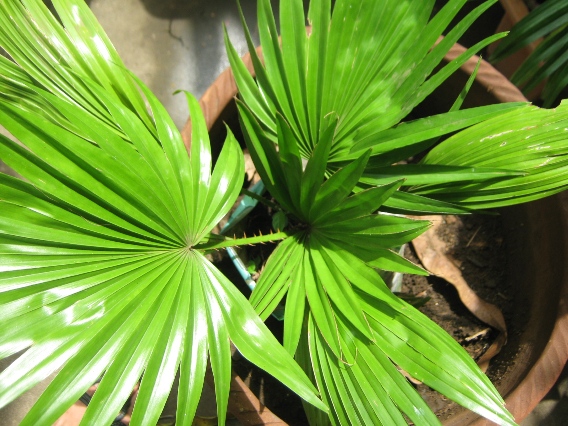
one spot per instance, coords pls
(335, 83)
(536, 255)
(103, 246)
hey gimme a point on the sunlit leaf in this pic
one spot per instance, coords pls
(101, 271)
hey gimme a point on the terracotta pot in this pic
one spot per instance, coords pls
(537, 233)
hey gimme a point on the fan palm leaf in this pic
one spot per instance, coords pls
(341, 321)
(101, 272)
(549, 61)
(357, 72)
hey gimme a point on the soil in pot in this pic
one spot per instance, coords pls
(478, 246)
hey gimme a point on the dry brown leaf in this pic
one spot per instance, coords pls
(432, 252)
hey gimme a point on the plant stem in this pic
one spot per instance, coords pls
(260, 199)
(233, 242)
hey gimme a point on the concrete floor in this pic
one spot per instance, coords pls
(178, 44)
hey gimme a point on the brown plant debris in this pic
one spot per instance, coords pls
(434, 255)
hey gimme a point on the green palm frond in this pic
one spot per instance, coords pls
(59, 56)
(532, 140)
(100, 266)
(357, 72)
(549, 60)
(322, 121)
(327, 271)
(366, 66)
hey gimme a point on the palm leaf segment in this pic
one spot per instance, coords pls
(367, 67)
(99, 270)
(549, 61)
(360, 71)
(530, 139)
(341, 321)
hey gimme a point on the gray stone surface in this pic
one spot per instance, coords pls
(173, 45)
